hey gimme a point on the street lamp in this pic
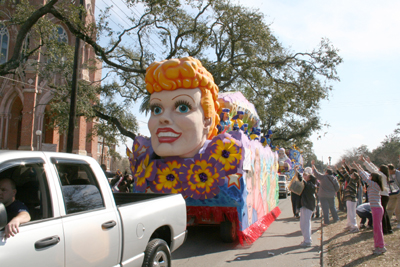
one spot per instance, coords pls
(38, 134)
(329, 158)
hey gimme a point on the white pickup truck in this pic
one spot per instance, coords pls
(78, 221)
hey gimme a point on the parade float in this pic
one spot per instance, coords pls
(200, 147)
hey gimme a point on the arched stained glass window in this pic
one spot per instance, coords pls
(62, 35)
(4, 37)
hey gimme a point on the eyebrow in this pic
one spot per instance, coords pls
(155, 99)
(184, 95)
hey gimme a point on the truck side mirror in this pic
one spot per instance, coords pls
(3, 216)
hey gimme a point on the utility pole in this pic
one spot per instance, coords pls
(74, 92)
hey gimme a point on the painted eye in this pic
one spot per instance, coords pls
(183, 108)
(156, 110)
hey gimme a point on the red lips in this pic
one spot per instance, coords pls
(167, 135)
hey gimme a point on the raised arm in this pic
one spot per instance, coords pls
(299, 175)
(369, 165)
(363, 174)
(317, 174)
(346, 175)
(345, 165)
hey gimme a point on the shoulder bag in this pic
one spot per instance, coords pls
(296, 186)
(393, 188)
(335, 183)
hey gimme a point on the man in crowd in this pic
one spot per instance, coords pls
(364, 212)
(17, 212)
(327, 192)
(394, 199)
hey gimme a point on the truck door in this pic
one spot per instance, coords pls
(92, 233)
(40, 242)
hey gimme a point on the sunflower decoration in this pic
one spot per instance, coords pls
(145, 171)
(132, 159)
(167, 178)
(202, 178)
(140, 146)
(226, 151)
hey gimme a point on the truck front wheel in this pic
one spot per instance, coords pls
(157, 254)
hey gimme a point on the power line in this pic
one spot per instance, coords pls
(118, 25)
(42, 88)
(130, 25)
(119, 8)
(138, 16)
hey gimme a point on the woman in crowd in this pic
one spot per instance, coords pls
(375, 187)
(307, 205)
(384, 172)
(352, 182)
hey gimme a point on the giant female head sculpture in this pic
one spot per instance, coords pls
(183, 106)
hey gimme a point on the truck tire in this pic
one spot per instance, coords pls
(228, 231)
(157, 253)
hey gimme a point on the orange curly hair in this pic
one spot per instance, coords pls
(187, 73)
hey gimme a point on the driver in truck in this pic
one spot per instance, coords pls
(17, 212)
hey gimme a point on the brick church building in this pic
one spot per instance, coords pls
(25, 98)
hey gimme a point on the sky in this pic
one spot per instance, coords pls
(361, 109)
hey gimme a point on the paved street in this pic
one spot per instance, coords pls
(278, 246)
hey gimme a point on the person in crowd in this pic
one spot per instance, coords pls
(394, 199)
(360, 193)
(359, 189)
(342, 183)
(375, 188)
(124, 185)
(352, 182)
(384, 172)
(350, 194)
(17, 212)
(364, 212)
(116, 181)
(295, 198)
(326, 193)
(307, 205)
(103, 167)
(317, 205)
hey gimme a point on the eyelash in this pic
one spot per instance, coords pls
(153, 106)
(183, 102)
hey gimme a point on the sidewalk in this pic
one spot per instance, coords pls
(278, 246)
(284, 237)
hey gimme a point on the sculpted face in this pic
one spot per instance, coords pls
(177, 124)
